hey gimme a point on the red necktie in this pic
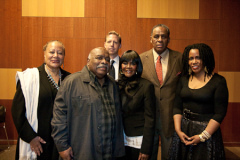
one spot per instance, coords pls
(159, 70)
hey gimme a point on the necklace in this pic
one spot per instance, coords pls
(51, 80)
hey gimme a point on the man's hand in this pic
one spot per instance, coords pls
(143, 156)
(36, 146)
(67, 154)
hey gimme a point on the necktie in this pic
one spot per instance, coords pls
(112, 69)
(159, 70)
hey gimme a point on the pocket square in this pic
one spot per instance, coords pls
(179, 73)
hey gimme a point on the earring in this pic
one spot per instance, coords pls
(63, 65)
(136, 72)
(189, 71)
(205, 69)
(121, 71)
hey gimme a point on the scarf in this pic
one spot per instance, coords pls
(29, 80)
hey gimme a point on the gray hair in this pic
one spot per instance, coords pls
(161, 25)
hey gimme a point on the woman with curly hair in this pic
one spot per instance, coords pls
(200, 107)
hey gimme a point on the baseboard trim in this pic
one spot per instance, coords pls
(231, 144)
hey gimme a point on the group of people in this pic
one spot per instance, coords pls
(122, 107)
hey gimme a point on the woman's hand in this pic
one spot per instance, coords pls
(36, 146)
(143, 156)
(194, 140)
(184, 138)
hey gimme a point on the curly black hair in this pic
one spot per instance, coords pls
(206, 55)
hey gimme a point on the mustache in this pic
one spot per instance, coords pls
(103, 66)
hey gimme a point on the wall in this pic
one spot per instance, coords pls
(22, 39)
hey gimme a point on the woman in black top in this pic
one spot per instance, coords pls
(200, 107)
(38, 142)
(138, 103)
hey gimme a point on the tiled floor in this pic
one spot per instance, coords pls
(232, 153)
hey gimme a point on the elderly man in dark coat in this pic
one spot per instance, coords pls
(87, 122)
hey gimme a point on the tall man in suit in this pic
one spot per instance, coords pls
(163, 72)
(113, 44)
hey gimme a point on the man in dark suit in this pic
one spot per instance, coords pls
(113, 44)
(162, 67)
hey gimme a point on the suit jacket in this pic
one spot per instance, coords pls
(47, 95)
(139, 113)
(164, 93)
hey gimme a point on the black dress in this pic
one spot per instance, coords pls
(47, 94)
(198, 106)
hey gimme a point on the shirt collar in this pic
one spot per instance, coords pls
(116, 59)
(163, 55)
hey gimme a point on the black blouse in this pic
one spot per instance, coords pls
(209, 99)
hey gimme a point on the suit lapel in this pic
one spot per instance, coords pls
(150, 67)
(171, 64)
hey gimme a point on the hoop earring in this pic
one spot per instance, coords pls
(189, 71)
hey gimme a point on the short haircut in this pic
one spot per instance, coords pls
(206, 55)
(46, 45)
(115, 33)
(132, 55)
(94, 50)
(161, 25)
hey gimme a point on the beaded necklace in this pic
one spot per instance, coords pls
(51, 80)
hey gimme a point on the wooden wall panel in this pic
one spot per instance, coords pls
(10, 31)
(121, 17)
(10, 127)
(233, 79)
(230, 36)
(57, 27)
(209, 9)
(8, 82)
(80, 53)
(197, 29)
(94, 8)
(52, 8)
(32, 42)
(183, 9)
(89, 28)
(230, 125)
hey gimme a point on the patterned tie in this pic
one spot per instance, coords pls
(112, 69)
(159, 70)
